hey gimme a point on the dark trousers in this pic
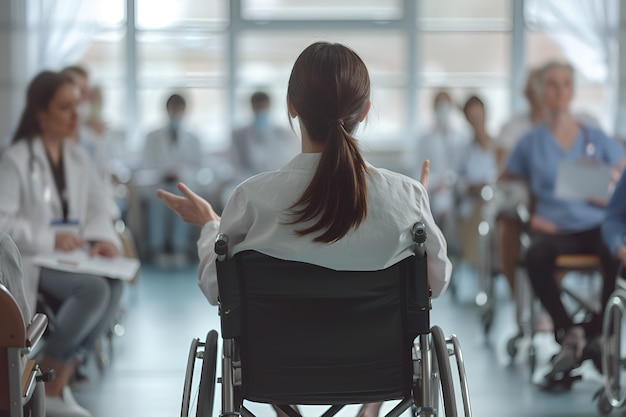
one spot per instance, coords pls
(540, 264)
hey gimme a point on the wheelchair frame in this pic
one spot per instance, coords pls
(431, 373)
(527, 302)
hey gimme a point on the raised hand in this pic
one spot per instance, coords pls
(425, 173)
(190, 207)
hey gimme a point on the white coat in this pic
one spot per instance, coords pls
(262, 149)
(30, 203)
(256, 218)
(183, 157)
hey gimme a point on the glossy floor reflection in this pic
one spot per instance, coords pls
(166, 310)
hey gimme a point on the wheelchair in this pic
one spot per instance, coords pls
(613, 393)
(300, 334)
(580, 306)
(21, 381)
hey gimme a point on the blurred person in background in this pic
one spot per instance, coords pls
(477, 168)
(442, 145)
(560, 225)
(508, 224)
(261, 146)
(614, 225)
(512, 193)
(173, 153)
(92, 130)
(53, 201)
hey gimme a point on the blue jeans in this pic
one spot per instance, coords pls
(88, 305)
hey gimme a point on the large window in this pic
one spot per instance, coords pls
(465, 50)
(219, 52)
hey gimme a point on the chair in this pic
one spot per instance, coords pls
(296, 333)
(581, 305)
(587, 265)
(18, 377)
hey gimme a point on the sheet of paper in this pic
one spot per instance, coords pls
(582, 180)
(80, 261)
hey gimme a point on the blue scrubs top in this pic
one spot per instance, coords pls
(536, 158)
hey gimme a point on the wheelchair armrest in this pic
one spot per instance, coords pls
(36, 329)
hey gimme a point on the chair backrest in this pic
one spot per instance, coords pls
(312, 335)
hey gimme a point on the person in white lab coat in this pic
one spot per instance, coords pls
(477, 168)
(261, 146)
(442, 145)
(92, 131)
(174, 154)
(51, 201)
(327, 206)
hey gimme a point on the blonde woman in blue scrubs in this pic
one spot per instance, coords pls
(562, 225)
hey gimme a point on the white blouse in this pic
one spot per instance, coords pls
(256, 217)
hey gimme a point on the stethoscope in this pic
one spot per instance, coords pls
(589, 147)
(37, 176)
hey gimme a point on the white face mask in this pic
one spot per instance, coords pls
(443, 111)
(84, 111)
(176, 122)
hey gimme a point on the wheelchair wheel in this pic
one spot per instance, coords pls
(613, 364)
(604, 407)
(442, 358)
(191, 361)
(208, 377)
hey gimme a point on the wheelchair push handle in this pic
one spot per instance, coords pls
(221, 246)
(419, 237)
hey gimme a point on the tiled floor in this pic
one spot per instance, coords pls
(166, 310)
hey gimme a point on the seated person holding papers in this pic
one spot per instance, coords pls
(565, 222)
(53, 201)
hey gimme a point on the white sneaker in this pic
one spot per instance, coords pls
(64, 406)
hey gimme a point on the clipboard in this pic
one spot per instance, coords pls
(582, 180)
(79, 261)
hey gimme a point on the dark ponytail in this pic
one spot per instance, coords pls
(329, 88)
(40, 93)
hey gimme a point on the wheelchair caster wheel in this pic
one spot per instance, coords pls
(559, 382)
(511, 345)
(604, 406)
(532, 359)
(487, 320)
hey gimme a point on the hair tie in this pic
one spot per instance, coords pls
(336, 121)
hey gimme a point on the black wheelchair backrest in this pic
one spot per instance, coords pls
(308, 333)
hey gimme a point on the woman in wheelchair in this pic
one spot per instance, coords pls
(328, 206)
(563, 225)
